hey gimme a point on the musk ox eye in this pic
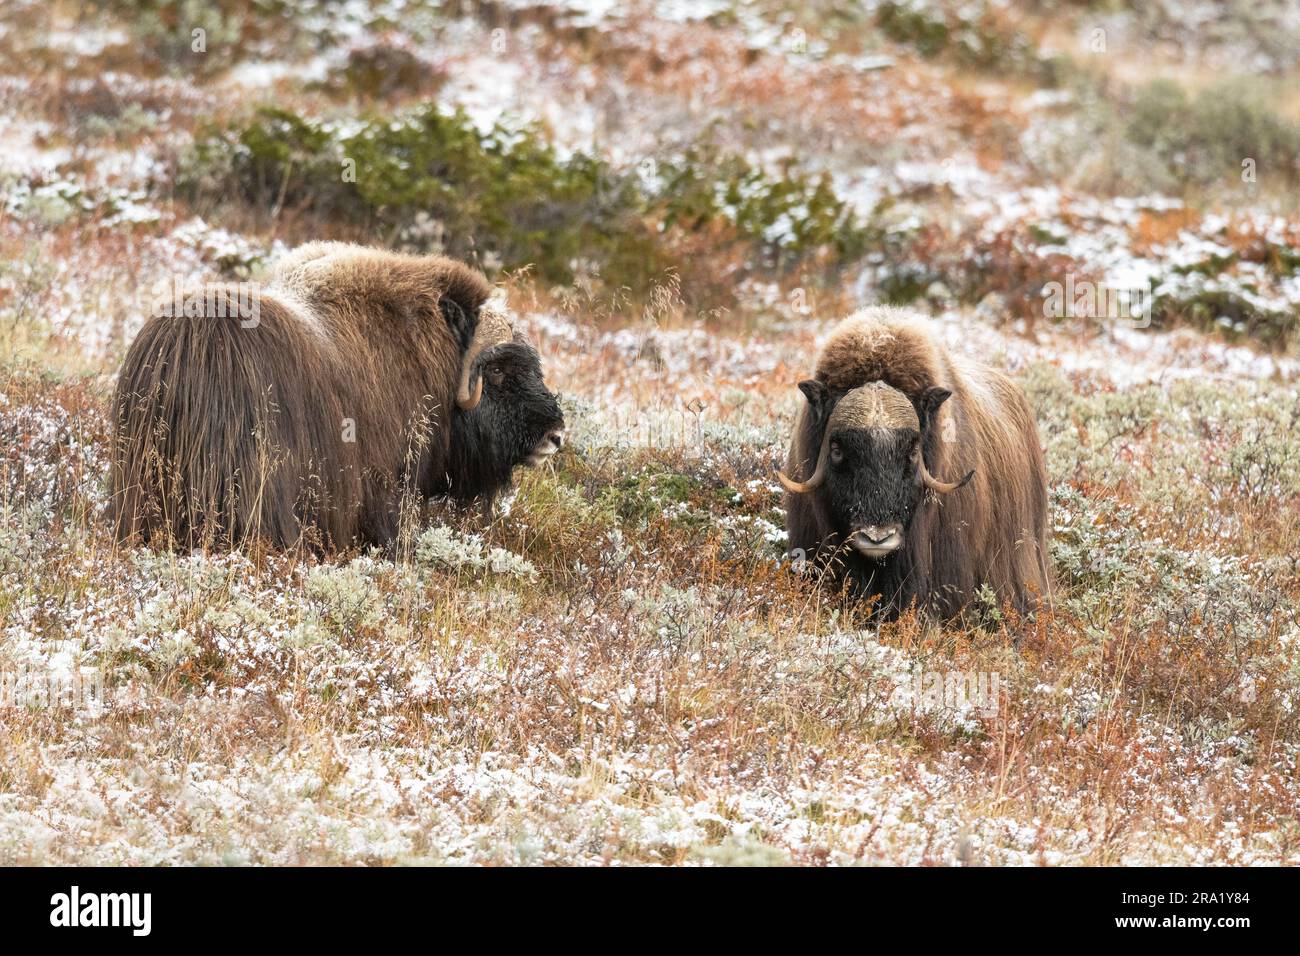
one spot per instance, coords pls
(837, 453)
(496, 374)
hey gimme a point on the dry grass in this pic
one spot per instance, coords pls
(622, 668)
(654, 685)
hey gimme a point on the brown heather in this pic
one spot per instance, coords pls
(661, 689)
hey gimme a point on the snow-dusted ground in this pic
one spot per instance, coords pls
(622, 669)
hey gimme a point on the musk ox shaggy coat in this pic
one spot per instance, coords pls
(349, 390)
(889, 414)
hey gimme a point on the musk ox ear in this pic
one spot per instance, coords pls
(928, 406)
(463, 292)
(816, 393)
(459, 319)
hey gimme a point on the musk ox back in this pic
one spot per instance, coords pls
(365, 376)
(889, 415)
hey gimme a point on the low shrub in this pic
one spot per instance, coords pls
(432, 180)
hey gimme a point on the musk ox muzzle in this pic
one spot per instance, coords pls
(877, 541)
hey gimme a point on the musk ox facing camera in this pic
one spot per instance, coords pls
(890, 414)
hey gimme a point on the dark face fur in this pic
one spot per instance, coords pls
(871, 481)
(872, 487)
(517, 422)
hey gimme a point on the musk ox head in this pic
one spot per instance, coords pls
(870, 472)
(507, 416)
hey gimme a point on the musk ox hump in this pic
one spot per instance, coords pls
(463, 285)
(881, 344)
(344, 271)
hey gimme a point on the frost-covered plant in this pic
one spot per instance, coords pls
(156, 635)
(233, 254)
(345, 596)
(679, 618)
(167, 30)
(132, 121)
(1204, 139)
(443, 548)
(20, 538)
(742, 851)
(1107, 557)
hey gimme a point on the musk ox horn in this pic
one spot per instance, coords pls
(818, 475)
(493, 329)
(933, 483)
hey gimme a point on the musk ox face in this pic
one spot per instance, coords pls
(872, 486)
(516, 419)
(517, 407)
(870, 474)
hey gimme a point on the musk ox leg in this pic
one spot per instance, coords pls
(379, 521)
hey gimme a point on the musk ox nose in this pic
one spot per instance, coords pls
(877, 541)
(551, 442)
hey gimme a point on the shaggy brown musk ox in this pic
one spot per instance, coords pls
(365, 376)
(888, 410)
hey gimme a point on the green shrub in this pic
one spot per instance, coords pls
(378, 68)
(432, 180)
(971, 34)
(165, 29)
(1205, 139)
(1224, 310)
(914, 24)
(788, 218)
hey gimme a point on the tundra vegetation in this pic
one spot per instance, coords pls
(679, 203)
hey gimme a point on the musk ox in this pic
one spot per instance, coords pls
(365, 377)
(889, 414)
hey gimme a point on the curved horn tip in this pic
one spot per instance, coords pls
(794, 487)
(470, 402)
(942, 487)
